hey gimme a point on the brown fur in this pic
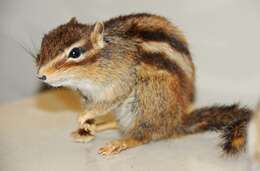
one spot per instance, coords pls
(150, 88)
(56, 40)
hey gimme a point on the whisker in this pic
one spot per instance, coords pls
(34, 47)
(28, 51)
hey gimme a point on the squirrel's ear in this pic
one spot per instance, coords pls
(73, 20)
(97, 38)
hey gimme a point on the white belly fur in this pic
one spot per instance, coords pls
(125, 113)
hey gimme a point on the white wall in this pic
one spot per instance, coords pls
(223, 34)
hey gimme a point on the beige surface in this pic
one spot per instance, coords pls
(34, 135)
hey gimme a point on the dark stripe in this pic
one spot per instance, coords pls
(159, 36)
(87, 60)
(156, 34)
(63, 62)
(114, 21)
(160, 61)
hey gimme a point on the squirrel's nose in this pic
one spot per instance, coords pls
(42, 77)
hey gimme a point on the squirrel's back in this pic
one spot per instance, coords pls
(160, 44)
(148, 27)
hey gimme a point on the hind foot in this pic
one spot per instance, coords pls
(113, 147)
(117, 146)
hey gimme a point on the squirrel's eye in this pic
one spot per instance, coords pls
(76, 52)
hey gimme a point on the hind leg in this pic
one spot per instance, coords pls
(134, 136)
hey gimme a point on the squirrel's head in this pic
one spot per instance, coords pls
(70, 53)
(74, 53)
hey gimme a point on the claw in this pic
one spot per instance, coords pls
(112, 148)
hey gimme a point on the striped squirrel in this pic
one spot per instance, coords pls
(138, 67)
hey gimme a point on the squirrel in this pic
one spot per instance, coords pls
(139, 67)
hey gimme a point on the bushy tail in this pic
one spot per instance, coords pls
(231, 120)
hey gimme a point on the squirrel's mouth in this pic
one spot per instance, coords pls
(56, 82)
(60, 83)
(55, 79)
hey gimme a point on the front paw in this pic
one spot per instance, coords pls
(85, 119)
(89, 125)
(82, 135)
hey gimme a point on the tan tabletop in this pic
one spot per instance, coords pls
(34, 136)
